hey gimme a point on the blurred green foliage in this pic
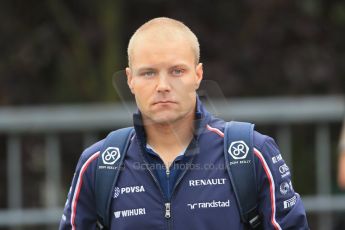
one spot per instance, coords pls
(55, 51)
(67, 51)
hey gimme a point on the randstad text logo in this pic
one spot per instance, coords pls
(238, 150)
(111, 155)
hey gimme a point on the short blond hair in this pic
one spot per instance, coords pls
(165, 25)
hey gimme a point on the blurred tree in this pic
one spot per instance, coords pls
(92, 57)
(59, 51)
(66, 51)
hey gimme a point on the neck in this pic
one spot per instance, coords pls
(170, 139)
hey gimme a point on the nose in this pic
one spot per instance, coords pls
(163, 84)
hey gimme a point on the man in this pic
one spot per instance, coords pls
(173, 129)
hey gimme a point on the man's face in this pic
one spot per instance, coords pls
(163, 78)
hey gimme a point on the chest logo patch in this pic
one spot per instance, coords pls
(205, 182)
(212, 204)
(130, 212)
(127, 190)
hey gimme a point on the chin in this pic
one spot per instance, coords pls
(164, 118)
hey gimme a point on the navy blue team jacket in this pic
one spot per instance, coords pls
(194, 194)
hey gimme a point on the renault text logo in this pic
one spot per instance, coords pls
(111, 155)
(238, 150)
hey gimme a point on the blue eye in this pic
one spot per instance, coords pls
(148, 74)
(177, 72)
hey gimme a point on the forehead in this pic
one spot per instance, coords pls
(168, 48)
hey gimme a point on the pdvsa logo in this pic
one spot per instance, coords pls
(111, 155)
(238, 150)
(132, 189)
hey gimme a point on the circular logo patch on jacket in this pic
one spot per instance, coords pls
(238, 150)
(111, 155)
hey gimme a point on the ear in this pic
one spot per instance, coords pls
(199, 75)
(129, 79)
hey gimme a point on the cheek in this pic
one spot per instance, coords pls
(186, 94)
(142, 95)
(186, 89)
(138, 87)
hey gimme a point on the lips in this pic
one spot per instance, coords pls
(164, 102)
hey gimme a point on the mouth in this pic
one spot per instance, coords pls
(165, 102)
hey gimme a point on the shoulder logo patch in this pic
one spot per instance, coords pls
(238, 150)
(284, 188)
(111, 155)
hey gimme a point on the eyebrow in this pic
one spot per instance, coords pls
(144, 69)
(180, 66)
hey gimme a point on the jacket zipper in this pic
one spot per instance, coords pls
(167, 203)
(167, 210)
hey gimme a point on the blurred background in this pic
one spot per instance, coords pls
(280, 64)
